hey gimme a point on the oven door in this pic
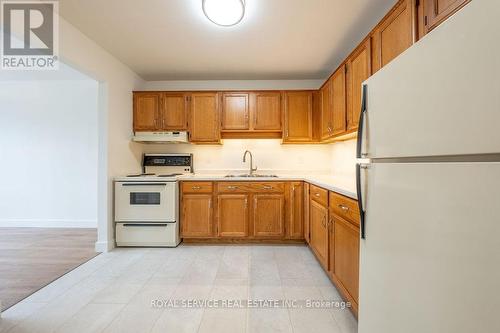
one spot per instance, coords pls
(145, 201)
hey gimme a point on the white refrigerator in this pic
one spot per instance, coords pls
(429, 182)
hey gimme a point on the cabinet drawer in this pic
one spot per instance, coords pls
(256, 187)
(197, 187)
(344, 207)
(319, 195)
(264, 187)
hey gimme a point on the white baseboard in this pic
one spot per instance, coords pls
(105, 246)
(48, 223)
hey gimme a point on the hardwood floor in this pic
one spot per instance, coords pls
(31, 258)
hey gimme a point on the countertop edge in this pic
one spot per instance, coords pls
(316, 182)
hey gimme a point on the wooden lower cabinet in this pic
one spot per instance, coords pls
(319, 231)
(232, 215)
(243, 210)
(295, 210)
(307, 220)
(346, 257)
(268, 215)
(197, 215)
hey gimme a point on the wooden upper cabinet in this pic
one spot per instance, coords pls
(204, 118)
(298, 109)
(339, 101)
(326, 110)
(268, 215)
(235, 111)
(358, 70)
(295, 210)
(173, 112)
(319, 231)
(146, 111)
(394, 34)
(196, 215)
(346, 253)
(232, 215)
(265, 109)
(436, 11)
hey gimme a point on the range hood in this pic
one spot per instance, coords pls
(161, 137)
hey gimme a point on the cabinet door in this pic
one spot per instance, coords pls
(235, 111)
(436, 11)
(146, 110)
(307, 213)
(358, 70)
(298, 116)
(346, 242)
(326, 110)
(319, 232)
(394, 35)
(204, 118)
(339, 101)
(268, 215)
(295, 210)
(173, 115)
(196, 215)
(266, 111)
(232, 215)
(331, 243)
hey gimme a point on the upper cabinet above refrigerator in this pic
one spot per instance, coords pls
(442, 96)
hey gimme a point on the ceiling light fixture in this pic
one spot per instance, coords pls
(225, 13)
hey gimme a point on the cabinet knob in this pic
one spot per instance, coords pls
(316, 194)
(344, 208)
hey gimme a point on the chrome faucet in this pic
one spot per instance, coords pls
(252, 169)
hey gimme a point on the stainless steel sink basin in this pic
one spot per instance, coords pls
(255, 175)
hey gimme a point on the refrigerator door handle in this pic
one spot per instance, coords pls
(360, 200)
(361, 124)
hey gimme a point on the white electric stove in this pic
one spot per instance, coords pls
(147, 204)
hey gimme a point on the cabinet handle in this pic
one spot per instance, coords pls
(344, 208)
(196, 187)
(323, 222)
(267, 187)
(230, 187)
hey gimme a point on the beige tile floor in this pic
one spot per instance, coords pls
(113, 293)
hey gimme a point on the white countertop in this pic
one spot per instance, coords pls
(341, 185)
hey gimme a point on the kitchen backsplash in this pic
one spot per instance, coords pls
(337, 159)
(268, 155)
(343, 156)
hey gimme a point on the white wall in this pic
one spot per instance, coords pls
(48, 149)
(233, 85)
(343, 156)
(116, 83)
(269, 155)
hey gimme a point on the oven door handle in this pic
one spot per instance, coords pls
(144, 184)
(145, 225)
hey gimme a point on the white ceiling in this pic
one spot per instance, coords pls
(277, 39)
